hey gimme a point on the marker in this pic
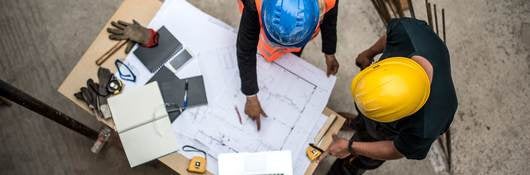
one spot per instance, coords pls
(238, 115)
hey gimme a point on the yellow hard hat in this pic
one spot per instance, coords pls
(391, 89)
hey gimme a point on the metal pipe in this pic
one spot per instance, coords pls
(386, 14)
(448, 142)
(443, 25)
(436, 19)
(429, 14)
(392, 8)
(33, 104)
(397, 4)
(379, 11)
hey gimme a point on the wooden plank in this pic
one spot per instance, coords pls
(326, 140)
(140, 10)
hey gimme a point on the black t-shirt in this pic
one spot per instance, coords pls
(414, 135)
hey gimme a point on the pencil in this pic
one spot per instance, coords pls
(238, 115)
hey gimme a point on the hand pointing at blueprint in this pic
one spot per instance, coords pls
(253, 109)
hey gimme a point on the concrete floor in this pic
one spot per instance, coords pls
(489, 42)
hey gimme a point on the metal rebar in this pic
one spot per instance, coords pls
(429, 14)
(436, 20)
(448, 142)
(378, 11)
(443, 25)
(385, 11)
(411, 9)
(397, 4)
(15, 95)
(392, 8)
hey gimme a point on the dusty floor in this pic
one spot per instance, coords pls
(489, 42)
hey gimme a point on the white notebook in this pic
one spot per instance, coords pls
(143, 124)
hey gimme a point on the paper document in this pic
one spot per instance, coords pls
(142, 124)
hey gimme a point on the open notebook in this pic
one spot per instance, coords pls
(142, 124)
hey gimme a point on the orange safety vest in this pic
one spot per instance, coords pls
(271, 52)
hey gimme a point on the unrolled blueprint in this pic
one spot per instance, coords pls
(293, 92)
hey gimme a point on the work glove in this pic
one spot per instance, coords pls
(90, 97)
(133, 33)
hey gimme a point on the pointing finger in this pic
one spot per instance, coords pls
(258, 123)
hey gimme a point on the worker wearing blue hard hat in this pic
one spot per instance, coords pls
(273, 28)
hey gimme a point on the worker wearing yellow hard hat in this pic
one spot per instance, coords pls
(405, 100)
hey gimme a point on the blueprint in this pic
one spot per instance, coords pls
(293, 92)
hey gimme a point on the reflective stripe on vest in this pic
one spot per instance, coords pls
(271, 52)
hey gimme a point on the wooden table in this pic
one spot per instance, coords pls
(143, 11)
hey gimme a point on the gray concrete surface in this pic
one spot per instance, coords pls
(489, 42)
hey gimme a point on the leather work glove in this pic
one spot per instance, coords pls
(133, 33)
(90, 97)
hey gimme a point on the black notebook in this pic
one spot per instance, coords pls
(153, 58)
(172, 89)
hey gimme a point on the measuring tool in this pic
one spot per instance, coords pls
(197, 164)
(115, 86)
(313, 151)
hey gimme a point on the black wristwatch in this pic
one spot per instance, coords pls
(350, 147)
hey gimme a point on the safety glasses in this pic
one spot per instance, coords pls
(125, 72)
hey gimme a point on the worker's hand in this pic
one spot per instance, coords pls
(253, 110)
(133, 32)
(333, 65)
(338, 147)
(364, 59)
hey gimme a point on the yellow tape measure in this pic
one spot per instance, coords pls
(197, 164)
(313, 152)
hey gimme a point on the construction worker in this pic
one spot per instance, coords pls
(274, 28)
(405, 101)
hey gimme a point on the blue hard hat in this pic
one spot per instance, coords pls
(290, 23)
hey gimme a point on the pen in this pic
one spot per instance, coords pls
(185, 103)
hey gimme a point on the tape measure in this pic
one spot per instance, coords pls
(197, 164)
(313, 152)
(114, 86)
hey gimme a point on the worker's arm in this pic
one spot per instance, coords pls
(365, 58)
(380, 150)
(247, 42)
(328, 30)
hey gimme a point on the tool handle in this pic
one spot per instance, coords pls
(110, 52)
